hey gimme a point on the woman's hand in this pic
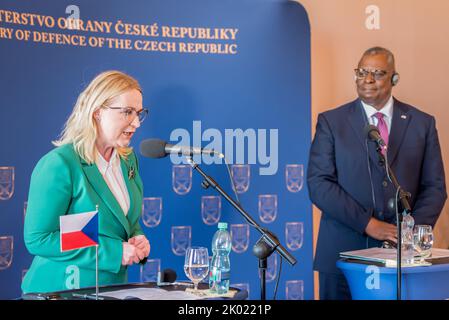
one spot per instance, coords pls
(130, 254)
(142, 245)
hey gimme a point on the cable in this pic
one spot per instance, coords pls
(233, 185)
(373, 196)
(396, 204)
(398, 250)
(231, 177)
(279, 276)
(387, 165)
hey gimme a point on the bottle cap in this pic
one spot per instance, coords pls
(222, 225)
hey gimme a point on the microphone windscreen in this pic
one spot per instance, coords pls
(169, 275)
(368, 129)
(153, 148)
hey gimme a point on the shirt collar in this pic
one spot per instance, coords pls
(387, 110)
(103, 165)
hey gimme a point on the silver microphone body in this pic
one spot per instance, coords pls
(188, 151)
(157, 148)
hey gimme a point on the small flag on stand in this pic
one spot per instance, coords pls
(79, 230)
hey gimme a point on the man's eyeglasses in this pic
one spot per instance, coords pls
(130, 113)
(361, 74)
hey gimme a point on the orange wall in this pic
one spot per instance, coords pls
(417, 32)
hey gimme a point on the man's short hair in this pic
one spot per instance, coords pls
(380, 50)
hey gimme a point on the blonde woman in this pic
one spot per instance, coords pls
(92, 165)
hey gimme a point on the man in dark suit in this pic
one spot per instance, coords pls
(349, 185)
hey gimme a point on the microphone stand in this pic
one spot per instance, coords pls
(266, 245)
(403, 197)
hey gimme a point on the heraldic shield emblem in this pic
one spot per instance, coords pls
(181, 238)
(150, 270)
(182, 178)
(272, 263)
(211, 209)
(6, 251)
(240, 237)
(294, 177)
(241, 177)
(268, 207)
(294, 290)
(152, 212)
(294, 234)
(6, 182)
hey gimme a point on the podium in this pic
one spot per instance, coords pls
(371, 281)
(89, 293)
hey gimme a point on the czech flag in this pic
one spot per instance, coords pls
(79, 230)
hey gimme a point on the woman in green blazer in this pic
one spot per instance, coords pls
(91, 166)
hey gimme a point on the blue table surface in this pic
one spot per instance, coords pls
(351, 265)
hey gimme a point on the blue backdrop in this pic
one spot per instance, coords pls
(261, 83)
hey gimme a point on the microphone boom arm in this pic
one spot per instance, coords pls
(268, 236)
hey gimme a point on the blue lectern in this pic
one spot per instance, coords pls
(373, 282)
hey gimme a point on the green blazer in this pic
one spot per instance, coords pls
(62, 183)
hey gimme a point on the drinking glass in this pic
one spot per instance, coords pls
(196, 264)
(423, 240)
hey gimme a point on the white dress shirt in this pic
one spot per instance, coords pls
(387, 111)
(113, 175)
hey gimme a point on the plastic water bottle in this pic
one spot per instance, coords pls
(220, 266)
(407, 239)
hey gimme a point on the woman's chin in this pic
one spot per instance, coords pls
(123, 143)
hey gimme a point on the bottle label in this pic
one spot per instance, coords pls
(225, 275)
(218, 276)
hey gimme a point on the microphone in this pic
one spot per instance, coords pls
(156, 148)
(166, 277)
(373, 133)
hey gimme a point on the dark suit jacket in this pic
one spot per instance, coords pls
(347, 183)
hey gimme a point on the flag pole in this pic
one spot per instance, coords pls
(96, 272)
(96, 266)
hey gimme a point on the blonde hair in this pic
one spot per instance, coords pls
(80, 128)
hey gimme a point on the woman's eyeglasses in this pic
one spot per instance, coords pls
(130, 113)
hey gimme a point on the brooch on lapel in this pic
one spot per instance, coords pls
(131, 173)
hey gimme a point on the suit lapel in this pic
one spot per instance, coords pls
(101, 188)
(126, 170)
(399, 124)
(358, 121)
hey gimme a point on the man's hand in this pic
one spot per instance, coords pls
(380, 230)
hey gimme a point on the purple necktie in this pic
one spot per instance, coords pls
(383, 129)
